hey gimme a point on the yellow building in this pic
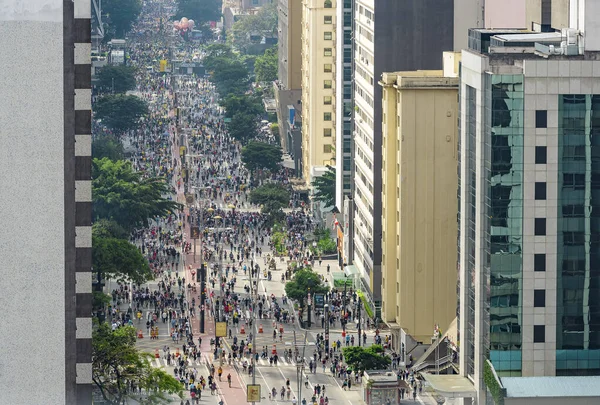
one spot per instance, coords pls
(318, 86)
(419, 202)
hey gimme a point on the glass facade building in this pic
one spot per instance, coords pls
(578, 255)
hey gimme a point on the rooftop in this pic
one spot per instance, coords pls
(529, 387)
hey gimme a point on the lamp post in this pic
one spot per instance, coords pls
(309, 305)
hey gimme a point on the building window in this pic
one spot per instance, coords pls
(347, 164)
(327, 68)
(326, 132)
(328, 3)
(327, 116)
(327, 52)
(328, 19)
(540, 190)
(327, 35)
(540, 226)
(327, 148)
(541, 119)
(539, 262)
(327, 100)
(540, 155)
(327, 84)
(539, 298)
(539, 333)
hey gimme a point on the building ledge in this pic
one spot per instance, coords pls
(451, 386)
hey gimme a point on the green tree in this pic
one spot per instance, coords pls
(201, 11)
(230, 77)
(117, 365)
(370, 358)
(121, 14)
(272, 194)
(264, 22)
(107, 146)
(117, 78)
(260, 155)
(267, 66)
(119, 259)
(123, 195)
(106, 228)
(243, 127)
(325, 187)
(304, 281)
(120, 112)
(245, 104)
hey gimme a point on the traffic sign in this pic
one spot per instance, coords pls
(195, 232)
(221, 329)
(253, 392)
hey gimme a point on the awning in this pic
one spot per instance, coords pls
(451, 386)
(351, 270)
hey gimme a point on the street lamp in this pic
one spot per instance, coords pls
(309, 305)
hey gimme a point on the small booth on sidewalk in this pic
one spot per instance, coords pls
(381, 388)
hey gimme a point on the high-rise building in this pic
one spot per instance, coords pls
(389, 35)
(344, 104)
(529, 197)
(289, 18)
(318, 78)
(419, 137)
(46, 194)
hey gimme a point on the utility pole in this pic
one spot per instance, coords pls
(202, 273)
(359, 321)
(253, 316)
(300, 366)
(326, 328)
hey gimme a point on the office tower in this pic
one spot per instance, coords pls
(419, 136)
(389, 35)
(318, 77)
(45, 220)
(343, 101)
(529, 189)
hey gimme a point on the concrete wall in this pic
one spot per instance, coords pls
(505, 14)
(290, 44)
(419, 215)
(551, 401)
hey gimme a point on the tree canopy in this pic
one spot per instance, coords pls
(117, 365)
(230, 76)
(201, 11)
(260, 155)
(120, 112)
(244, 103)
(370, 358)
(270, 193)
(266, 66)
(325, 187)
(117, 78)
(264, 22)
(243, 127)
(123, 195)
(107, 146)
(303, 281)
(121, 15)
(119, 259)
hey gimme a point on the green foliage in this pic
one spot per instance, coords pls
(264, 22)
(325, 187)
(340, 282)
(230, 76)
(123, 195)
(492, 383)
(243, 127)
(370, 358)
(119, 259)
(117, 364)
(107, 146)
(120, 112)
(100, 300)
(266, 66)
(260, 155)
(365, 303)
(201, 11)
(303, 281)
(117, 78)
(270, 193)
(121, 14)
(106, 228)
(327, 245)
(278, 240)
(249, 105)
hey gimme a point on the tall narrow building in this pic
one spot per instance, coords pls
(46, 202)
(389, 35)
(318, 79)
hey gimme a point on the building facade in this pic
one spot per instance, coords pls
(45, 220)
(318, 79)
(344, 103)
(419, 136)
(529, 193)
(381, 44)
(289, 42)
